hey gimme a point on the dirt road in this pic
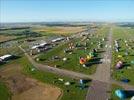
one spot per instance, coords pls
(97, 91)
(23, 87)
(63, 72)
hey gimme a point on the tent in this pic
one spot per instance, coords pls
(64, 59)
(132, 98)
(67, 83)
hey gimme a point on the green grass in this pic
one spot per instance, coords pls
(11, 50)
(113, 96)
(75, 93)
(126, 71)
(73, 59)
(46, 77)
(114, 87)
(15, 32)
(48, 34)
(4, 93)
(72, 63)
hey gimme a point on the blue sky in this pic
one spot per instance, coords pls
(66, 10)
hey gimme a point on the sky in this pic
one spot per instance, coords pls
(66, 10)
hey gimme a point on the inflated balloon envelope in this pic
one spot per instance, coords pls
(121, 94)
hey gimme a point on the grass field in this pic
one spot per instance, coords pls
(23, 87)
(114, 87)
(128, 69)
(71, 64)
(71, 92)
(73, 59)
(4, 92)
(13, 49)
(12, 32)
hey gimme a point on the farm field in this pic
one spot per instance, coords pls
(6, 38)
(10, 49)
(126, 42)
(12, 32)
(59, 30)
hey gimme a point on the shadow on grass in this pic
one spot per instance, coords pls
(2, 63)
(87, 81)
(7, 60)
(125, 64)
(96, 60)
(100, 51)
(129, 93)
(16, 57)
(132, 55)
(82, 86)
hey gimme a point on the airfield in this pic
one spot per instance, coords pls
(66, 61)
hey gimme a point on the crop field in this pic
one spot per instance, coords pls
(59, 30)
(12, 32)
(126, 43)
(9, 49)
(20, 33)
(6, 38)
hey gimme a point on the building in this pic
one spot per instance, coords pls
(58, 39)
(40, 48)
(5, 57)
(40, 45)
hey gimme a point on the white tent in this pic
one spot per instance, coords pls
(5, 56)
(57, 39)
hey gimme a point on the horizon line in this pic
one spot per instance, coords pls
(66, 21)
